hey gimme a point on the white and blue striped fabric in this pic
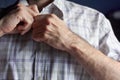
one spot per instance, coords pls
(21, 58)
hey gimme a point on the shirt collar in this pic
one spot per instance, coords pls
(60, 5)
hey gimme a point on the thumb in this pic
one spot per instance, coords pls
(34, 8)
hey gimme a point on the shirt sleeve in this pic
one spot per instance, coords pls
(108, 42)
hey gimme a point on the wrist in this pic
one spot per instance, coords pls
(77, 44)
(72, 42)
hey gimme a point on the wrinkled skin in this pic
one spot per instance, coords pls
(18, 20)
(50, 29)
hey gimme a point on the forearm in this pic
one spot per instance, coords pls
(95, 62)
(54, 32)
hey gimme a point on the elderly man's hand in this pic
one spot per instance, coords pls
(51, 30)
(18, 20)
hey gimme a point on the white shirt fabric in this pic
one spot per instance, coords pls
(24, 59)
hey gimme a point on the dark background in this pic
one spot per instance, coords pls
(103, 6)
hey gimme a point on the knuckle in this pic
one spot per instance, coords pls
(20, 9)
(31, 20)
(45, 36)
(53, 15)
(34, 6)
(18, 17)
(47, 28)
(49, 18)
(6, 30)
(46, 21)
(19, 6)
(29, 25)
(37, 38)
(36, 18)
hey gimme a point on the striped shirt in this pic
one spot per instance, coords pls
(21, 58)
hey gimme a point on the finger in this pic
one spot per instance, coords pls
(33, 10)
(42, 19)
(37, 32)
(38, 37)
(24, 28)
(28, 20)
(15, 31)
(41, 34)
(38, 22)
(41, 37)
